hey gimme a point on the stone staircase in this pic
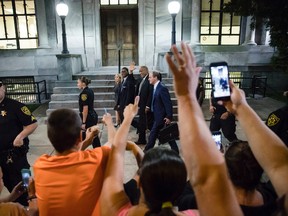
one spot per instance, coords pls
(65, 93)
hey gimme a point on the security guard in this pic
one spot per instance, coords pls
(222, 119)
(278, 122)
(16, 123)
(86, 108)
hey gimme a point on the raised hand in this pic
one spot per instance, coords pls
(132, 109)
(236, 99)
(186, 74)
(107, 119)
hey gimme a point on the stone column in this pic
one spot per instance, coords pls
(41, 24)
(186, 19)
(250, 34)
(98, 47)
(195, 22)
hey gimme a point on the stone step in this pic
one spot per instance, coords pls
(101, 112)
(74, 104)
(99, 82)
(97, 96)
(97, 103)
(74, 89)
(96, 89)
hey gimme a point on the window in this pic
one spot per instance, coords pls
(18, 27)
(217, 27)
(118, 2)
(237, 78)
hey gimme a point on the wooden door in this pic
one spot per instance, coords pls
(119, 30)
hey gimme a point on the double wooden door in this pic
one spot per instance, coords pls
(119, 31)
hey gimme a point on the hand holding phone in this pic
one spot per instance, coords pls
(220, 80)
(26, 174)
(217, 137)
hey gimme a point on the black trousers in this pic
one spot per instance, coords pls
(12, 173)
(90, 121)
(154, 135)
(227, 126)
(142, 126)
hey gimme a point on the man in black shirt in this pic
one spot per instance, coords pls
(16, 123)
(222, 119)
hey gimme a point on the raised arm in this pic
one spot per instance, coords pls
(113, 196)
(107, 120)
(269, 150)
(205, 164)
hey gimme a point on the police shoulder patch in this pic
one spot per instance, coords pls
(272, 120)
(84, 97)
(25, 110)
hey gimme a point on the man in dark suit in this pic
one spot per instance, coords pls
(144, 89)
(161, 107)
(127, 91)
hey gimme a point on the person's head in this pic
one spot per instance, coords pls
(243, 168)
(64, 129)
(154, 77)
(117, 78)
(143, 71)
(124, 72)
(162, 178)
(2, 91)
(83, 82)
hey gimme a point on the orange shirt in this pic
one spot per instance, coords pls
(70, 184)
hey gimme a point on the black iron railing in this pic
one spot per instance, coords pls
(25, 89)
(253, 86)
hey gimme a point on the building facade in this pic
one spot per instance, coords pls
(139, 30)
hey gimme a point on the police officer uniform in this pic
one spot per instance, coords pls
(86, 98)
(278, 122)
(227, 126)
(13, 116)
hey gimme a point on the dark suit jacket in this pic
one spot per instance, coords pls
(127, 92)
(162, 105)
(145, 94)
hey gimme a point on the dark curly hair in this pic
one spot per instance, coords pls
(244, 170)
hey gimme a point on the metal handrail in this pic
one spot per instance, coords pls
(36, 91)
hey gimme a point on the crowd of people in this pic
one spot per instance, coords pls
(198, 180)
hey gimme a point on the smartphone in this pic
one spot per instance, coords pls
(26, 174)
(105, 110)
(220, 80)
(217, 137)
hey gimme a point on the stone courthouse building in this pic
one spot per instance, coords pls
(140, 30)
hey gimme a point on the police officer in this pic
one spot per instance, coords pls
(278, 122)
(16, 124)
(222, 119)
(86, 108)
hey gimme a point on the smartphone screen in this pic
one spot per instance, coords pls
(217, 137)
(220, 80)
(26, 174)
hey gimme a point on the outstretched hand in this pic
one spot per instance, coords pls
(187, 73)
(237, 98)
(107, 119)
(131, 110)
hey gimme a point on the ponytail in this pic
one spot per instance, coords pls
(85, 80)
(166, 210)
